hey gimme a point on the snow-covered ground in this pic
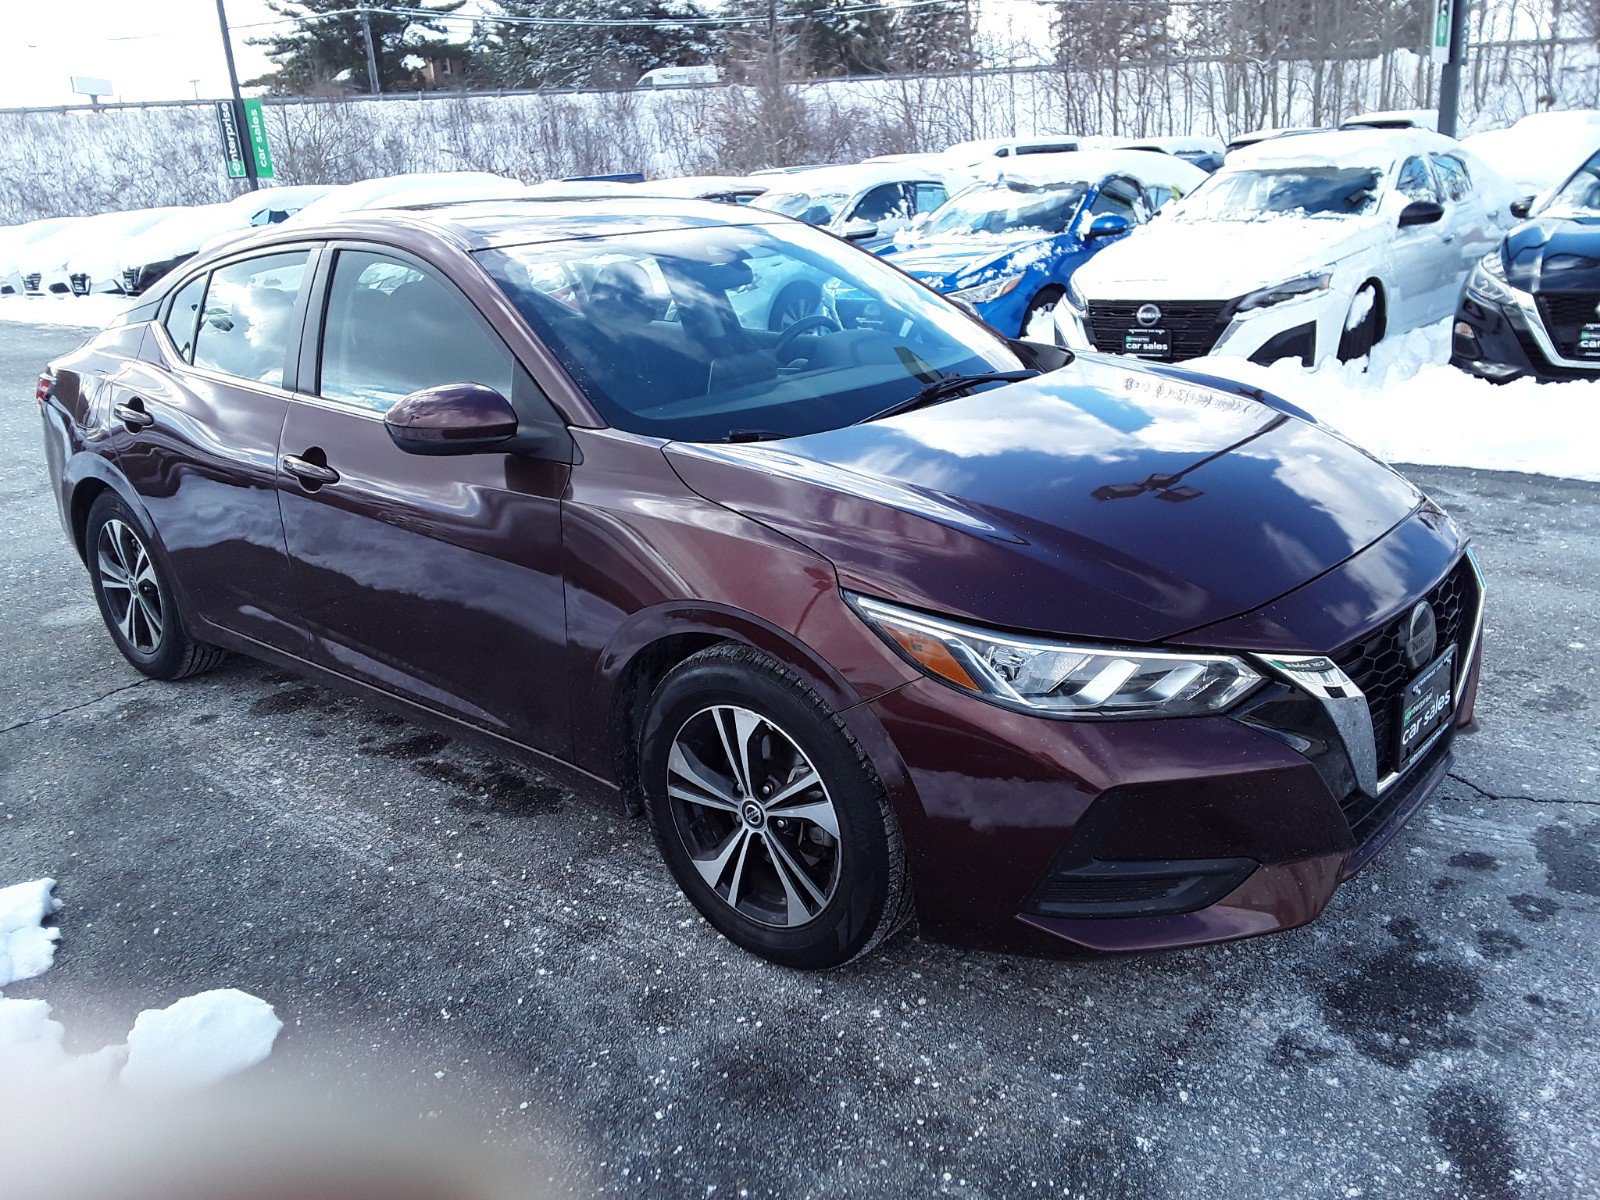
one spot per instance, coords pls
(1409, 405)
(189, 1044)
(80, 312)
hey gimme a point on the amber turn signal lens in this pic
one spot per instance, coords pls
(931, 653)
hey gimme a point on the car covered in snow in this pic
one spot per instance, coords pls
(149, 255)
(1306, 247)
(968, 155)
(423, 187)
(17, 242)
(725, 189)
(1532, 305)
(1540, 151)
(1007, 248)
(87, 256)
(1206, 153)
(865, 204)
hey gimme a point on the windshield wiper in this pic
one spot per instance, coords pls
(947, 386)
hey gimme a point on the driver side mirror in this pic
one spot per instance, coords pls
(1108, 225)
(1421, 212)
(857, 230)
(1522, 207)
(453, 418)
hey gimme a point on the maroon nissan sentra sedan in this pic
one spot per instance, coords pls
(874, 612)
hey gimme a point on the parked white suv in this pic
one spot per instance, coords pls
(1304, 247)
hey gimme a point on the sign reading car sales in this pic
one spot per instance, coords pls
(232, 150)
(256, 122)
(233, 139)
(1440, 46)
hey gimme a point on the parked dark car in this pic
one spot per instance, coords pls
(1532, 306)
(869, 621)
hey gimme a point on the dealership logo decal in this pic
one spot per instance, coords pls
(1422, 635)
(1148, 314)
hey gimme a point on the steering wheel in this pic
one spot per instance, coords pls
(800, 328)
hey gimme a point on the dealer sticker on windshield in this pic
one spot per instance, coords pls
(1426, 705)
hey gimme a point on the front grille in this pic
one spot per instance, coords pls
(130, 281)
(30, 282)
(1565, 314)
(1193, 326)
(80, 283)
(1377, 665)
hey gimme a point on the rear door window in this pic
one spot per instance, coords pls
(245, 326)
(183, 315)
(392, 328)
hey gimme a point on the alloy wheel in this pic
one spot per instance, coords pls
(128, 581)
(755, 816)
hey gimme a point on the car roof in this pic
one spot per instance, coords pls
(858, 176)
(1149, 167)
(1362, 147)
(483, 224)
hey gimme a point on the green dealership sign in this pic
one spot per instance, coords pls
(233, 139)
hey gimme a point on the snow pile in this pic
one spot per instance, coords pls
(77, 312)
(190, 1044)
(1407, 404)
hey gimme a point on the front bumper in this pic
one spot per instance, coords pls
(1502, 342)
(1308, 328)
(1135, 835)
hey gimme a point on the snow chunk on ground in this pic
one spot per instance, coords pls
(26, 947)
(1411, 406)
(198, 1041)
(190, 1044)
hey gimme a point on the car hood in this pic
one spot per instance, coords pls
(1038, 506)
(1554, 255)
(966, 261)
(1178, 260)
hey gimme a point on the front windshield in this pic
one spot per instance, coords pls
(737, 331)
(1578, 196)
(1009, 207)
(813, 208)
(1314, 191)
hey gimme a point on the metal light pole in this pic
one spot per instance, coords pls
(246, 151)
(373, 85)
(1450, 72)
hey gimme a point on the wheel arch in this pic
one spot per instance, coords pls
(646, 649)
(88, 478)
(1380, 303)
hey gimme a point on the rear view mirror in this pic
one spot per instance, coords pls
(857, 230)
(1108, 225)
(454, 418)
(1522, 207)
(1421, 212)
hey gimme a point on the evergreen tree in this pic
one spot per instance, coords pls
(327, 45)
(576, 52)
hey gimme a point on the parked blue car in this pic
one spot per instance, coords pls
(1007, 248)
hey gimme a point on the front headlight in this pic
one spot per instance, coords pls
(986, 292)
(1060, 679)
(1304, 285)
(1075, 300)
(1488, 280)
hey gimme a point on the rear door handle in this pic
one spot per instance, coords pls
(313, 475)
(133, 415)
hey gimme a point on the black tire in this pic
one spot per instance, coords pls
(868, 894)
(146, 627)
(1046, 299)
(1358, 342)
(793, 302)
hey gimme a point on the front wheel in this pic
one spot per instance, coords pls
(1040, 308)
(1360, 325)
(135, 597)
(768, 812)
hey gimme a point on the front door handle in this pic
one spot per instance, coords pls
(312, 474)
(133, 415)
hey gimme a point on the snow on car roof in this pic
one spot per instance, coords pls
(693, 186)
(1150, 167)
(1341, 147)
(851, 179)
(1542, 149)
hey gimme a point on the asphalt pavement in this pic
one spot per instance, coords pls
(493, 943)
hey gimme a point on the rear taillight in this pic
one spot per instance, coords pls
(47, 385)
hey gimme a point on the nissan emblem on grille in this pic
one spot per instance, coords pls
(1148, 314)
(1422, 635)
